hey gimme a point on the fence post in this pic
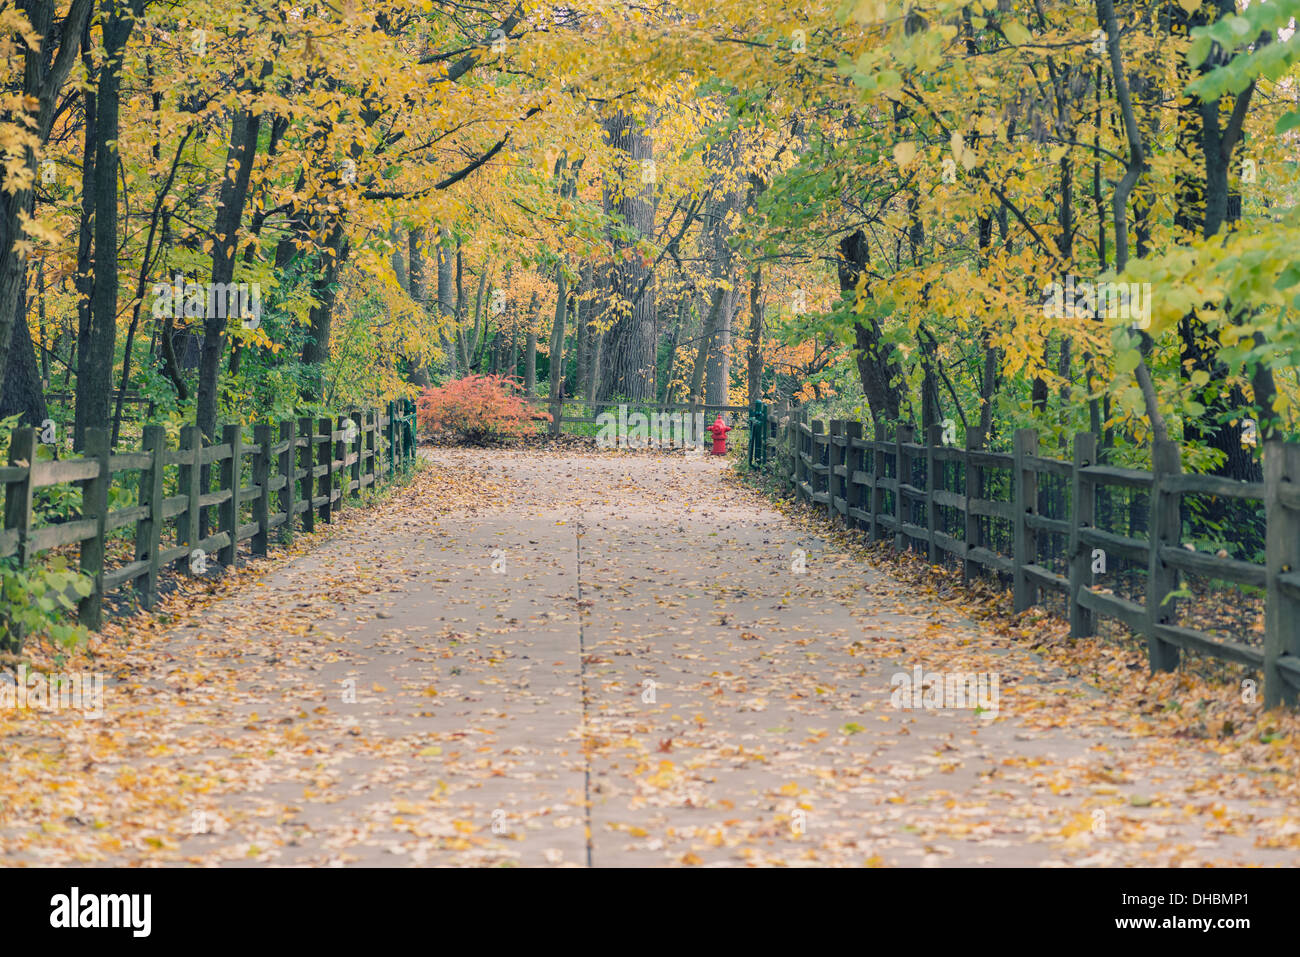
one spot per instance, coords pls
(307, 454)
(148, 531)
(288, 466)
(773, 436)
(368, 446)
(818, 428)
(402, 442)
(852, 459)
(1166, 526)
(357, 443)
(18, 507)
(878, 477)
(1282, 613)
(903, 474)
(933, 439)
(787, 448)
(228, 513)
(339, 463)
(191, 447)
(800, 466)
(1083, 505)
(262, 479)
(409, 433)
(18, 495)
(337, 456)
(794, 438)
(834, 459)
(1025, 502)
(800, 469)
(391, 436)
(782, 439)
(94, 506)
(974, 487)
(325, 458)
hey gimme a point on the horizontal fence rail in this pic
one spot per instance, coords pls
(592, 409)
(872, 484)
(196, 497)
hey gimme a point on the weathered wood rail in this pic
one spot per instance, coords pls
(868, 483)
(612, 405)
(300, 473)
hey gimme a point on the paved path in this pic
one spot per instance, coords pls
(607, 660)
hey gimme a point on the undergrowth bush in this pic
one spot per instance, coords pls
(478, 409)
(35, 603)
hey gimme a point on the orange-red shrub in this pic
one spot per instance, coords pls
(477, 409)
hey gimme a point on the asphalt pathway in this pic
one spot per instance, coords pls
(605, 660)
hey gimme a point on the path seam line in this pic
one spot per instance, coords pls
(582, 682)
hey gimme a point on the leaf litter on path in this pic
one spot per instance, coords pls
(555, 658)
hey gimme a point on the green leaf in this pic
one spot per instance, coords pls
(1287, 123)
(1199, 50)
(1015, 32)
(1290, 276)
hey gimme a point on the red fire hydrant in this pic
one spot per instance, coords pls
(719, 435)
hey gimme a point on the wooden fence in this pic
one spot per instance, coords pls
(897, 488)
(302, 473)
(591, 408)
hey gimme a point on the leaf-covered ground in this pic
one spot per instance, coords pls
(538, 657)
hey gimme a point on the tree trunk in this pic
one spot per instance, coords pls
(718, 390)
(230, 213)
(404, 249)
(1204, 203)
(51, 348)
(629, 358)
(480, 327)
(583, 331)
(599, 318)
(557, 346)
(44, 71)
(709, 330)
(22, 392)
(530, 345)
(988, 388)
(447, 301)
(754, 366)
(712, 371)
(316, 348)
(530, 362)
(417, 285)
(877, 366)
(683, 308)
(95, 369)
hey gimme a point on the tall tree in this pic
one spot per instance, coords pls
(96, 353)
(50, 49)
(627, 351)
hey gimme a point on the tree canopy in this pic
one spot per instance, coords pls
(1060, 214)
